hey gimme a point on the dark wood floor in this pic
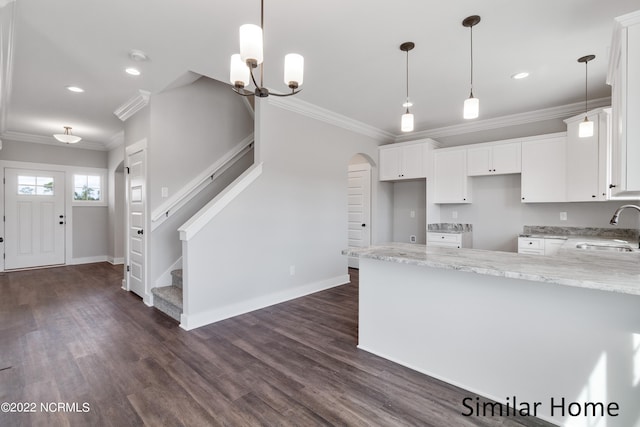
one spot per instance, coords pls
(71, 335)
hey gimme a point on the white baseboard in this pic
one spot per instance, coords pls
(115, 261)
(165, 278)
(87, 260)
(192, 321)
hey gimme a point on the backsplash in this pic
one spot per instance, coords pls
(611, 233)
(445, 226)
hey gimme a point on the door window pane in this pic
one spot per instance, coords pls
(35, 185)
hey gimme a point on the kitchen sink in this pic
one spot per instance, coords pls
(604, 247)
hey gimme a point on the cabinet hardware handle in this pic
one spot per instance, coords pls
(531, 243)
(442, 237)
(523, 198)
(364, 225)
(593, 195)
(612, 186)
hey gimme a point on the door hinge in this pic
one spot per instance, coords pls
(128, 170)
(128, 268)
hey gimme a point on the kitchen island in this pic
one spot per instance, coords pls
(553, 337)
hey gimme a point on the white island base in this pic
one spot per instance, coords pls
(556, 352)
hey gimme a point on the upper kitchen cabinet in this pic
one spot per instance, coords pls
(494, 159)
(543, 169)
(405, 160)
(587, 158)
(624, 78)
(451, 183)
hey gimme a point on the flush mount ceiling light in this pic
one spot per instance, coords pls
(66, 137)
(585, 129)
(251, 56)
(138, 55)
(471, 104)
(519, 76)
(406, 123)
(75, 89)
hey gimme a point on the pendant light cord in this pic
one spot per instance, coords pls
(407, 101)
(262, 27)
(471, 29)
(585, 87)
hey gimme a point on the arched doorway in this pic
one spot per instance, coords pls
(359, 224)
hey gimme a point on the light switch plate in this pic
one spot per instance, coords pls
(165, 191)
(563, 216)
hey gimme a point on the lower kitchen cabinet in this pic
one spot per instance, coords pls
(539, 245)
(449, 240)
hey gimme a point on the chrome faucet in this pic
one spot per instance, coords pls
(616, 214)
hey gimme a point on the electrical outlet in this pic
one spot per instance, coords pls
(454, 214)
(412, 214)
(292, 270)
(412, 239)
(563, 216)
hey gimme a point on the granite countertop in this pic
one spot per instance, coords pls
(451, 228)
(611, 272)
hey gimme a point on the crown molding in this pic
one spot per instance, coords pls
(115, 141)
(7, 36)
(49, 140)
(560, 112)
(327, 116)
(133, 105)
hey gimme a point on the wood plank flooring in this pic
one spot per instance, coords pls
(71, 335)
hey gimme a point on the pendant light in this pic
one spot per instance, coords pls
(585, 129)
(66, 137)
(251, 56)
(406, 124)
(471, 104)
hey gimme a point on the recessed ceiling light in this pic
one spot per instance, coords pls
(75, 89)
(518, 76)
(132, 71)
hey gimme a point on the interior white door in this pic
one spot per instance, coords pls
(359, 208)
(34, 218)
(136, 222)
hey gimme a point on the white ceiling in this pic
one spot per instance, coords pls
(353, 65)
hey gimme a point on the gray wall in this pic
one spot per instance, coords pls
(295, 213)
(190, 128)
(137, 126)
(52, 154)
(498, 215)
(409, 196)
(90, 231)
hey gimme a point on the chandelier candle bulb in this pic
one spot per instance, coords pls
(239, 72)
(293, 70)
(251, 44)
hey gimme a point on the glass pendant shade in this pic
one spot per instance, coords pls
(585, 129)
(293, 70)
(406, 125)
(66, 137)
(239, 72)
(471, 108)
(251, 43)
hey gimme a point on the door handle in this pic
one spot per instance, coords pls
(61, 223)
(141, 231)
(364, 225)
(61, 216)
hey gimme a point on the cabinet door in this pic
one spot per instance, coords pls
(450, 177)
(543, 170)
(583, 163)
(389, 163)
(412, 162)
(506, 158)
(479, 161)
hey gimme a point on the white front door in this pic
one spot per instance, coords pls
(359, 208)
(136, 221)
(35, 218)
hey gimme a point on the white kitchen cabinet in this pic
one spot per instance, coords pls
(449, 240)
(543, 170)
(494, 159)
(402, 161)
(539, 245)
(587, 158)
(451, 183)
(624, 78)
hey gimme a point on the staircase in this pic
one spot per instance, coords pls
(168, 299)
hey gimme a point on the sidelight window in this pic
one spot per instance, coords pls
(87, 188)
